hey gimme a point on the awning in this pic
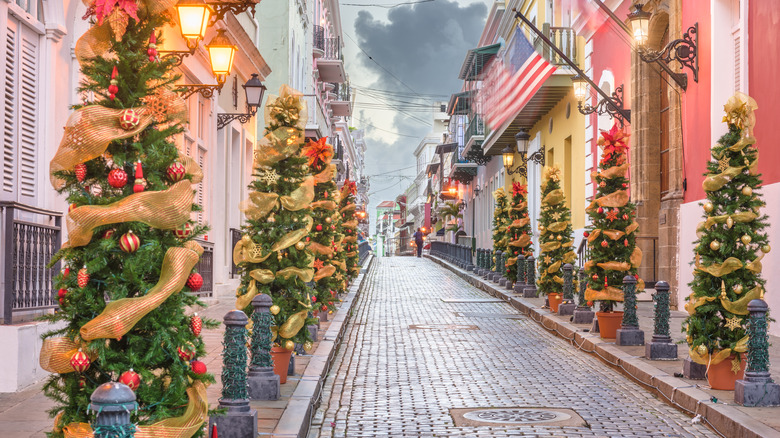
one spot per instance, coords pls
(475, 61)
(460, 103)
(432, 168)
(445, 148)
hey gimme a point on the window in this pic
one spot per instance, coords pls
(200, 197)
(19, 107)
(664, 125)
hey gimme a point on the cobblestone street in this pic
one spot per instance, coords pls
(416, 348)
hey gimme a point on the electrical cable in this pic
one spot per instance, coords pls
(386, 5)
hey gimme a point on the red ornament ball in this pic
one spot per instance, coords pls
(324, 308)
(586, 234)
(625, 185)
(183, 231)
(65, 272)
(313, 299)
(196, 324)
(333, 227)
(187, 352)
(62, 301)
(117, 178)
(61, 293)
(601, 210)
(625, 217)
(604, 243)
(131, 379)
(198, 367)
(595, 277)
(80, 361)
(319, 227)
(176, 172)
(195, 282)
(81, 171)
(129, 242)
(129, 119)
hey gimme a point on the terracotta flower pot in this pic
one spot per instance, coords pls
(609, 322)
(720, 375)
(281, 358)
(555, 300)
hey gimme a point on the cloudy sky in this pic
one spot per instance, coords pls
(401, 60)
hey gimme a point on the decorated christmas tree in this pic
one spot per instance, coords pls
(322, 239)
(272, 253)
(130, 254)
(349, 225)
(612, 233)
(500, 222)
(731, 243)
(519, 229)
(555, 234)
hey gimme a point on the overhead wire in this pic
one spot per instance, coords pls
(385, 5)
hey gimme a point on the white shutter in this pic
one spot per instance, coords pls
(737, 62)
(28, 110)
(9, 107)
(200, 196)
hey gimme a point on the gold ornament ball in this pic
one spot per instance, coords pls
(328, 219)
(295, 219)
(702, 350)
(271, 219)
(289, 345)
(729, 222)
(714, 245)
(738, 289)
(747, 191)
(766, 248)
(746, 239)
(275, 309)
(558, 237)
(307, 346)
(300, 245)
(689, 340)
(708, 207)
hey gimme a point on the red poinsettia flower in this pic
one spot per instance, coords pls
(104, 8)
(613, 142)
(318, 151)
(518, 188)
(351, 186)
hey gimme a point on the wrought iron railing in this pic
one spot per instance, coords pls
(364, 248)
(342, 92)
(27, 249)
(583, 253)
(332, 48)
(476, 127)
(319, 38)
(205, 268)
(565, 38)
(235, 237)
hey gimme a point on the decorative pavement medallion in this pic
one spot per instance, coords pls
(442, 327)
(516, 417)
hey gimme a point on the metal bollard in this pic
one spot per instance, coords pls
(112, 403)
(520, 283)
(530, 275)
(583, 313)
(757, 388)
(263, 383)
(629, 333)
(661, 346)
(567, 306)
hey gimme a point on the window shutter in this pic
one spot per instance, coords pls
(9, 108)
(200, 196)
(28, 106)
(737, 62)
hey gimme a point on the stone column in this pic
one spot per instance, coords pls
(263, 383)
(567, 306)
(239, 420)
(757, 388)
(661, 346)
(629, 333)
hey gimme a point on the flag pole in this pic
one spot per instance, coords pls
(625, 114)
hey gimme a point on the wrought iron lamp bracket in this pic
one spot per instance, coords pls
(683, 50)
(612, 107)
(205, 90)
(178, 54)
(522, 168)
(222, 8)
(225, 118)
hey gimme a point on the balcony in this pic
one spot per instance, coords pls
(564, 38)
(318, 50)
(475, 132)
(318, 122)
(331, 65)
(341, 104)
(462, 171)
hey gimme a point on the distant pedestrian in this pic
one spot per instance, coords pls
(418, 240)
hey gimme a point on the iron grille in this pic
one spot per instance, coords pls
(235, 237)
(205, 268)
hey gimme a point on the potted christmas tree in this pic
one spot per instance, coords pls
(555, 237)
(500, 222)
(272, 253)
(612, 233)
(131, 251)
(349, 228)
(519, 229)
(731, 243)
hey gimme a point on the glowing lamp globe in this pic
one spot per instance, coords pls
(221, 53)
(194, 18)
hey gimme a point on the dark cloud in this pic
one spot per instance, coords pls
(423, 45)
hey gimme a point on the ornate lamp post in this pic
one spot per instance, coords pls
(254, 90)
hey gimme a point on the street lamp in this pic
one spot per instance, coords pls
(612, 106)
(193, 20)
(683, 50)
(521, 139)
(221, 53)
(254, 91)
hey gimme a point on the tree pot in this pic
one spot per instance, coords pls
(720, 376)
(555, 300)
(281, 358)
(609, 322)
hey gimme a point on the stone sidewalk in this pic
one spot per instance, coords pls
(426, 354)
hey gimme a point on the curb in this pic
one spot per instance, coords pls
(726, 420)
(297, 416)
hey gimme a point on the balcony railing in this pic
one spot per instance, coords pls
(27, 249)
(319, 38)
(341, 92)
(563, 37)
(332, 48)
(476, 127)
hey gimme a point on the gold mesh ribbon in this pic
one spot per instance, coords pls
(614, 266)
(739, 307)
(320, 249)
(243, 300)
(613, 234)
(692, 304)
(631, 228)
(165, 210)
(277, 145)
(730, 265)
(351, 224)
(589, 265)
(550, 246)
(350, 239)
(324, 272)
(305, 274)
(120, 316)
(739, 111)
(568, 244)
(56, 354)
(294, 236)
(569, 257)
(499, 193)
(519, 207)
(636, 257)
(614, 172)
(246, 250)
(594, 235)
(715, 182)
(258, 205)
(191, 168)
(89, 130)
(739, 217)
(557, 227)
(614, 199)
(325, 205)
(301, 197)
(755, 265)
(263, 276)
(340, 263)
(351, 254)
(293, 325)
(558, 279)
(555, 197)
(347, 208)
(521, 242)
(610, 293)
(520, 223)
(289, 105)
(326, 175)
(554, 267)
(720, 355)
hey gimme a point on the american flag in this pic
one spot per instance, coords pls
(510, 84)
